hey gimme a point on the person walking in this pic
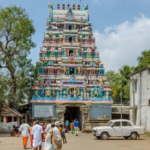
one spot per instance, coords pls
(67, 125)
(56, 137)
(31, 140)
(48, 145)
(37, 134)
(43, 127)
(76, 127)
(24, 131)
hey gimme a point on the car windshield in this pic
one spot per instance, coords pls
(109, 123)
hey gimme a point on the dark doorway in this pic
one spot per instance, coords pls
(70, 39)
(70, 52)
(71, 71)
(72, 113)
(70, 27)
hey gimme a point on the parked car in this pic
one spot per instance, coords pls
(118, 128)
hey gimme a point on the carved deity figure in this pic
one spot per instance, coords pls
(79, 70)
(42, 93)
(48, 92)
(77, 52)
(107, 94)
(84, 94)
(76, 39)
(97, 63)
(75, 93)
(100, 81)
(36, 92)
(53, 94)
(64, 70)
(81, 94)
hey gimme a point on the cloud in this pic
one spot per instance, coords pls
(94, 1)
(121, 44)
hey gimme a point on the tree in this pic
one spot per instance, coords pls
(143, 60)
(16, 30)
(120, 82)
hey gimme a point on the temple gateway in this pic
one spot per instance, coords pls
(71, 82)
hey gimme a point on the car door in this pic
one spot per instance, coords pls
(126, 128)
(116, 129)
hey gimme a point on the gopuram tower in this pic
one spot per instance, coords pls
(71, 82)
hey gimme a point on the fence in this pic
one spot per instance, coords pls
(6, 127)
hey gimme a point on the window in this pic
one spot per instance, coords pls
(70, 27)
(70, 52)
(70, 39)
(117, 124)
(125, 124)
(135, 85)
(71, 70)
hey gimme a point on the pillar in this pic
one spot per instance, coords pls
(12, 119)
(18, 120)
(0, 118)
(75, 70)
(5, 119)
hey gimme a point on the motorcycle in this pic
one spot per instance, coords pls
(15, 130)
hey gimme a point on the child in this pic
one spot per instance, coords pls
(62, 133)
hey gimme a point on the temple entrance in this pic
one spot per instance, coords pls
(72, 113)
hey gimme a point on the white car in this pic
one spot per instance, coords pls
(118, 128)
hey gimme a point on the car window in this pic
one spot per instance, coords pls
(116, 124)
(125, 124)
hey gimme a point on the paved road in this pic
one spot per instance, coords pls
(83, 142)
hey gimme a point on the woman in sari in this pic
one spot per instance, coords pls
(43, 127)
(48, 145)
(56, 138)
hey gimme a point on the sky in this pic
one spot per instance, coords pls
(121, 27)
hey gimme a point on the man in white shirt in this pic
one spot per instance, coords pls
(37, 133)
(24, 130)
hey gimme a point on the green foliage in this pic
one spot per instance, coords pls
(120, 82)
(143, 60)
(16, 30)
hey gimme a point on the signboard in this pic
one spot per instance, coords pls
(43, 111)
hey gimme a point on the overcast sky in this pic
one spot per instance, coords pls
(121, 27)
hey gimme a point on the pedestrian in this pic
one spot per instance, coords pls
(56, 137)
(62, 133)
(48, 145)
(67, 125)
(24, 130)
(76, 127)
(31, 140)
(37, 134)
(72, 127)
(43, 127)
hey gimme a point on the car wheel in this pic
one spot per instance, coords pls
(104, 136)
(133, 136)
(126, 137)
(98, 137)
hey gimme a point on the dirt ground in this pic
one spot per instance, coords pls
(85, 141)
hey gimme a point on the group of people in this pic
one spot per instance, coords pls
(53, 135)
(74, 126)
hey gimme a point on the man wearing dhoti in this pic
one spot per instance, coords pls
(37, 134)
(24, 130)
(56, 137)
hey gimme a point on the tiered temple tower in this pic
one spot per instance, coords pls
(71, 82)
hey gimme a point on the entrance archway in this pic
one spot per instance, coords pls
(72, 113)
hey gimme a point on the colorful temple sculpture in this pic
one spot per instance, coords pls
(71, 82)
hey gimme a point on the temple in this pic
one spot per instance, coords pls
(71, 82)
